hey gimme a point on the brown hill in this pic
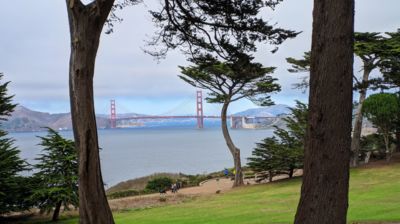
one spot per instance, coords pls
(24, 119)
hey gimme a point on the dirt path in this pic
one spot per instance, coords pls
(208, 187)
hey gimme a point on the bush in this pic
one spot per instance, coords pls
(159, 183)
(122, 194)
(374, 143)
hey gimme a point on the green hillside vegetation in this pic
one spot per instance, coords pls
(374, 196)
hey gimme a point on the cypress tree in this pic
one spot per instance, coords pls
(57, 175)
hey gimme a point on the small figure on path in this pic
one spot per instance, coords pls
(226, 172)
(173, 188)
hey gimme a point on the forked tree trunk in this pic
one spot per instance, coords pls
(56, 212)
(86, 23)
(355, 140)
(232, 148)
(324, 192)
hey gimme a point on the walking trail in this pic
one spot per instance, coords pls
(208, 187)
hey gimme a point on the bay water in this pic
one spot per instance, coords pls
(131, 153)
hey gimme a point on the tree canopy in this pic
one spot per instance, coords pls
(222, 28)
(284, 152)
(12, 191)
(383, 110)
(390, 65)
(57, 174)
(229, 82)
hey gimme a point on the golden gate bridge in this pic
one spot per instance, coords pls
(236, 121)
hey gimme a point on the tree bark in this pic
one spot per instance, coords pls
(56, 212)
(355, 140)
(270, 176)
(324, 192)
(398, 141)
(388, 151)
(367, 156)
(232, 148)
(86, 24)
(291, 171)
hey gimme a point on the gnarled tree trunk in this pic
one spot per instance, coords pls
(86, 23)
(357, 129)
(324, 192)
(232, 148)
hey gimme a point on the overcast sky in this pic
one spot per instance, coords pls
(34, 56)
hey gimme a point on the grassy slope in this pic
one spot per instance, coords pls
(374, 196)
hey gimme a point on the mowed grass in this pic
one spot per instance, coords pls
(374, 196)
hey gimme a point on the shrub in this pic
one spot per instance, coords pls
(374, 143)
(159, 183)
(122, 194)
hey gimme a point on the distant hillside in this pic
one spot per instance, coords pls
(24, 119)
(271, 111)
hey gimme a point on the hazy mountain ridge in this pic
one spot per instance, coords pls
(271, 111)
(24, 119)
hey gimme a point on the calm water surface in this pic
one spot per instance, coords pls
(131, 153)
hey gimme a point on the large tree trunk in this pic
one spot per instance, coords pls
(232, 148)
(355, 140)
(86, 23)
(324, 192)
(56, 212)
(398, 141)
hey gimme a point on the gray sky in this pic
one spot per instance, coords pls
(34, 55)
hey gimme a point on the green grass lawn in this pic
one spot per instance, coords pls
(374, 196)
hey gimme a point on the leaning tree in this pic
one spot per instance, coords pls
(86, 22)
(228, 82)
(224, 32)
(367, 46)
(324, 191)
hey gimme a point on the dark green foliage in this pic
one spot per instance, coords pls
(222, 28)
(383, 111)
(375, 144)
(283, 152)
(390, 65)
(11, 183)
(6, 105)
(159, 183)
(301, 65)
(129, 193)
(228, 82)
(122, 194)
(57, 173)
(12, 186)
